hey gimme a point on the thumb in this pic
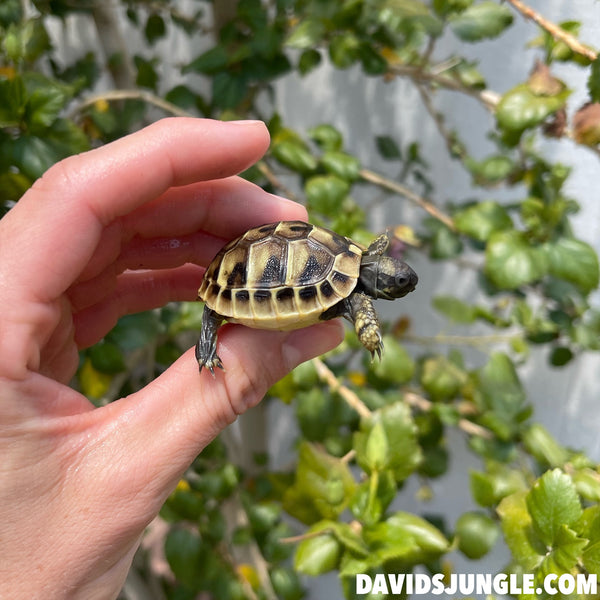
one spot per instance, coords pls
(173, 418)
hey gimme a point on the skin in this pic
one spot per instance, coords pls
(78, 484)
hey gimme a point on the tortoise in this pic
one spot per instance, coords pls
(292, 274)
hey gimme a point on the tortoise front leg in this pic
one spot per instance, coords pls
(206, 348)
(361, 312)
(379, 245)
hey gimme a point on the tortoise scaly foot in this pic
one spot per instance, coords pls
(206, 348)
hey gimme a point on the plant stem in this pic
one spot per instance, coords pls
(558, 33)
(398, 188)
(417, 401)
(335, 385)
(145, 96)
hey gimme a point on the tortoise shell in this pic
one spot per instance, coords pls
(281, 276)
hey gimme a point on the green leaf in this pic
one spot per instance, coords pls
(560, 356)
(228, 89)
(33, 155)
(11, 11)
(441, 378)
(444, 243)
(498, 481)
(591, 530)
(146, 72)
(373, 496)
(455, 309)
(446, 7)
(480, 21)
(44, 105)
(520, 108)
(477, 533)
(350, 539)
(186, 555)
(210, 62)
(107, 357)
(309, 59)
(404, 537)
(387, 147)
(343, 165)
(553, 503)
(26, 41)
(565, 554)
(315, 410)
(325, 193)
(525, 546)
(307, 34)
(12, 101)
(286, 583)
(500, 395)
(593, 83)
(587, 484)
(574, 261)
(510, 261)
(543, 447)
(469, 75)
(396, 365)
(327, 136)
(182, 96)
(388, 441)
(491, 170)
(135, 331)
(344, 50)
(414, 15)
(480, 220)
(318, 555)
(373, 63)
(155, 28)
(323, 486)
(13, 186)
(294, 156)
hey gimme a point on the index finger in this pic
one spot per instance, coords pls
(59, 221)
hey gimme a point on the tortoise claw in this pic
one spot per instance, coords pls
(378, 349)
(210, 364)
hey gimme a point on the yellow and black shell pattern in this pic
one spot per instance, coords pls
(281, 275)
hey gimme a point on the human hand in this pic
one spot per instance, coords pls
(117, 230)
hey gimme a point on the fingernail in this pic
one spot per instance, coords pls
(251, 122)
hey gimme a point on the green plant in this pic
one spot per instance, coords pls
(364, 429)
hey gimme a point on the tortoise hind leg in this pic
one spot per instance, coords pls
(206, 348)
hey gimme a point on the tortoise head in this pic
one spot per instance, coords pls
(386, 277)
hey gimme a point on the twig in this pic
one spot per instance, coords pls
(305, 536)
(467, 426)
(410, 398)
(266, 170)
(335, 385)
(558, 33)
(145, 96)
(453, 144)
(398, 188)
(112, 41)
(474, 341)
(488, 98)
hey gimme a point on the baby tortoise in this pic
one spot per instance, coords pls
(292, 274)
